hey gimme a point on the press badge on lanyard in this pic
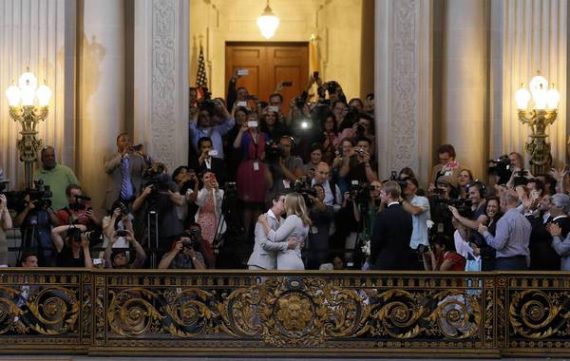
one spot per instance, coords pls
(256, 166)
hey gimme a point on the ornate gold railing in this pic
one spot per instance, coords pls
(311, 313)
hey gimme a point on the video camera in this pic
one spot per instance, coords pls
(79, 203)
(401, 182)
(273, 152)
(303, 187)
(360, 192)
(521, 178)
(500, 167)
(40, 195)
(156, 177)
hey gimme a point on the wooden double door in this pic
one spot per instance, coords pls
(268, 64)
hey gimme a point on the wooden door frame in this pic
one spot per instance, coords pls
(228, 73)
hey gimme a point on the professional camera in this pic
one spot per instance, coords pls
(230, 188)
(303, 187)
(422, 248)
(40, 195)
(194, 239)
(401, 182)
(520, 178)
(500, 167)
(273, 152)
(301, 100)
(463, 206)
(79, 203)
(157, 178)
(360, 192)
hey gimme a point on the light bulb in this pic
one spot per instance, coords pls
(44, 95)
(522, 97)
(552, 98)
(28, 81)
(13, 95)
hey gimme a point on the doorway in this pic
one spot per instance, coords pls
(267, 65)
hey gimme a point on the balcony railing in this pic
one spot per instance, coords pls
(306, 314)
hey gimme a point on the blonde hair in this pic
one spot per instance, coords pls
(295, 204)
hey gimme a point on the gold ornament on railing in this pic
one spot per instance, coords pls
(538, 107)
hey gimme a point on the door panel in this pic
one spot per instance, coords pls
(269, 64)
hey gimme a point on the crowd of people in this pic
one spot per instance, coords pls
(270, 186)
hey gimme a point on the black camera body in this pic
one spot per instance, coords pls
(79, 204)
(193, 241)
(40, 195)
(501, 167)
(273, 152)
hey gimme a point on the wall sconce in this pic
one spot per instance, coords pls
(268, 22)
(538, 107)
(28, 105)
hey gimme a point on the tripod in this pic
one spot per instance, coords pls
(152, 236)
(36, 237)
(230, 246)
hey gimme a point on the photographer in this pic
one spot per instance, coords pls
(125, 169)
(322, 217)
(188, 185)
(209, 215)
(439, 258)
(359, 165)
(117, 258)
(78, 209)
(5, 224)
(519, 174)
(418, 207)
(477, 204)
(332, 191)
(440, 199)
(35, 221)
(183, 255)
(119, 220)
(160, 196)
(205, 125)
(285, 168)
(207, 160)
(74, 250)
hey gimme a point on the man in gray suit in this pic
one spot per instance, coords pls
(264, 256)
(125, 169)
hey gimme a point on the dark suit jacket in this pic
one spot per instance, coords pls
(542, 255)
(390, 243)
(218, 167)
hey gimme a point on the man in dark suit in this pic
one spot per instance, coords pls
(392, 232)
(208, 160)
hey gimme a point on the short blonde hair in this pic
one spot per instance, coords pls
(295, 204)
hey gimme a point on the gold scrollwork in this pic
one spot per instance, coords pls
(188, 313)
(536, 314)
(55, 310)
(132, 313)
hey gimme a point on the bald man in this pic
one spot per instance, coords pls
(322, 177)
(56, 176)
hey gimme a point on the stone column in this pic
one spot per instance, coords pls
(161, 79)
(403, 85)
(101, 107)
(464, 113)
(527, 36)
(39, 35)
